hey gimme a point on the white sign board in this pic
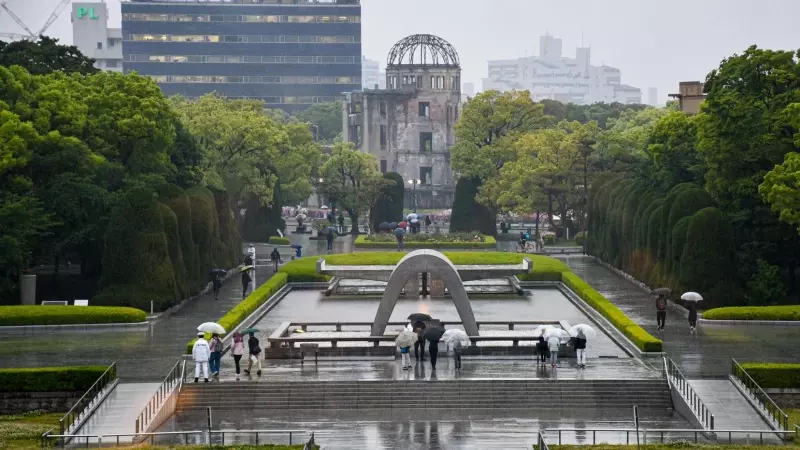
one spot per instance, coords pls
(81, 303)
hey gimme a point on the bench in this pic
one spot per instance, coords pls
(309, 348)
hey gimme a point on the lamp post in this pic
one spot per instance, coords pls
(414, 182)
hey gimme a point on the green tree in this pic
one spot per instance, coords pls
(324, 119)
(707, 264)
(389, 205)
(469, 215)
(624, 143)
(781, 189)
(45, 56)
(671, 146)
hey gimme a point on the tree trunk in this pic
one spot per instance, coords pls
(550, 208)
(353, 221)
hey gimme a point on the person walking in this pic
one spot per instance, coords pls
(419, 346)
(553, 343)
(427, 223)
(216, 281)
(201, 354)
(275, 256)
(692, 317)
(216, 354)
(237, 350)
(541, 348)
(457, 347)
(248, 260)
(405, 357)
(251, 250)
(433, 349)
(400, 234)
(341, 223)
(661, 311)
(580, 349)
(255, 350)
(246, 279)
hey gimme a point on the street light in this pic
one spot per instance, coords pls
(414, 182)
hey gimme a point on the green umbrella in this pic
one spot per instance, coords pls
(249, 330)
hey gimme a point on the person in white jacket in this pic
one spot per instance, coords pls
(553, 342)
(252, 252)
(200, 353)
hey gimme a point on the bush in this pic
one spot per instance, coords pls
(275, 240)
(246, 307)
(776, 376)
(389, 205)
(50, 379)
(228, 232)
(204, 218)
(707, 262)
(467, 213)
(19, 315)
(433, 241)
(580, 238)
(175, 252)
(787, 312)
(686, 204)
(177, 200)
(628, 327)
(549, 239)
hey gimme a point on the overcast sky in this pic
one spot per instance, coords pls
(653, 42)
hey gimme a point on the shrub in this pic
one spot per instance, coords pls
(628, 327)
(549, 239)
(707, 261)
(204, 218)
(50, 379)
(777, 376)
(686, 204)
(177, 200)
(453, 240)
(665, 211)
(678, 242)
(170, 220)
(580, 238)
(136, 255)
(276, 240)
(467, 213)
(18, 315)
(246, 307)
(389, 205)
(786, 312)
(228, 232)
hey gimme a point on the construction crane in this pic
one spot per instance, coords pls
(31, 35)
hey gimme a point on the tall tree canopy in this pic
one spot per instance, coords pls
(45, 56)
(325, 120)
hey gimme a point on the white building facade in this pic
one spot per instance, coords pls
(90, 33)
(555, 77)
(371, 74)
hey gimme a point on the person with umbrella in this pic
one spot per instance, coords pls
(216, 354)
(580, 348)
(254, 349)
(237, 350)
(275, 256)
(399, 233)
(200, 354)
(553, 342)
(341, 223)
(330, 236)
(434, 335)
(217, 276)
(541, 348)
(251, 251)
(661, 307)
(246, 279)
(404, 341)
(419, 345)
(691, 298)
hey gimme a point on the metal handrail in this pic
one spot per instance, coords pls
(780, 417)
(48, 438)
(79, 408)
(540, 442)
(173, 380)
(662, 432)
(687, 392)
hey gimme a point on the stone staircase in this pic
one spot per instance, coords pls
(449, 394)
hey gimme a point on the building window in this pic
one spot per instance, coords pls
(111, 63)
(394, 82)
(433, 82)
(99, 45)
(383, 166)
(424, 109)
(425, 142)
(426, 175)
(383, 137)
(382, 108)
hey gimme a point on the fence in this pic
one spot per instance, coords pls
(164, 401)
(679, 382)
(756, 393)
(81, 410)
(195, 437)
(662, 435)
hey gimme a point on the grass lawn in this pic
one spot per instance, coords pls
(794, 419)
(667, 446)
(22, 431)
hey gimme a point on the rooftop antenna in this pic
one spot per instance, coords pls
(31, 35)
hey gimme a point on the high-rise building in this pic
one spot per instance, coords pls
(90, 33)
(290, 55)
(553, 76)
(467, 91)
(652, 96)
(371, 74)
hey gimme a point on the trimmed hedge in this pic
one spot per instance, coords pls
(50, 379)
(246, 307)
(786, 312)
(489, 242)
(778, 376)
(19, 315)
(628, 327)
(275, 240)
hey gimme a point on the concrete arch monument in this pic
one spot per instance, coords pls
(417, 262)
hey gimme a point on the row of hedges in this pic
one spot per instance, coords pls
(68, 315)
(411, 241)
(246, 307)
(679, 239)
(162, 244)
(628, 327)
(50, 379)
(778, 376)
(276, 240)
(787, 312)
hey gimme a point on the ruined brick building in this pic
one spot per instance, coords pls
(409, 126)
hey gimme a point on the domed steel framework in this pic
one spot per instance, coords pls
(423, 50)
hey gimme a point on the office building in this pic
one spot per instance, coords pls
(467, 91)
(409, 126)
(553, 76)
(289, 55)
(372, 75)
(652, 96)
(690, 96)
(90, 33)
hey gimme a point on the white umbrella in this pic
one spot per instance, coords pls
(406, 339)
(560, 333)
(413, 216)
(211, 327)
(323, 207)
(541, 330)
(456, 335)
(588, 331)
(691, 297)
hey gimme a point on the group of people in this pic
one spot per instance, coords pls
(551, 344)
(661, 313)
(433, 347)
(207, 355)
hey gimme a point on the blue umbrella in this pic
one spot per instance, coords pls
(399, 232)
(393, 225)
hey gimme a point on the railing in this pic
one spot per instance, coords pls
(781, 418)
(78, 411)
(194, 437)
(151, 414)
(663, 433)
(676, 378)
(540, 442)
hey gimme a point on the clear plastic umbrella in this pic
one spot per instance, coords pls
(588, 331)
(692, 297)
(456, 335)
(406, 339)
(541, 330)
(211, 327)
(560, 333)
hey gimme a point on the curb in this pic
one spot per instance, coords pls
(771, 323)
(81, 327)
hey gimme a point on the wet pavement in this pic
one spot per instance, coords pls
(708, 352)
(145, 355)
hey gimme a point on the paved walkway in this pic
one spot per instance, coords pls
(731, 410)
(706, 354)
(117, 414)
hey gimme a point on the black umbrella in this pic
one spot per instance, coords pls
(218, 272)
(419, 317)
(399, 232)
(383, 226)
(393, 225)
(660, 291)
(433, 334)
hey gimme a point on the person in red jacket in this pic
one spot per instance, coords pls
(661, 311)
